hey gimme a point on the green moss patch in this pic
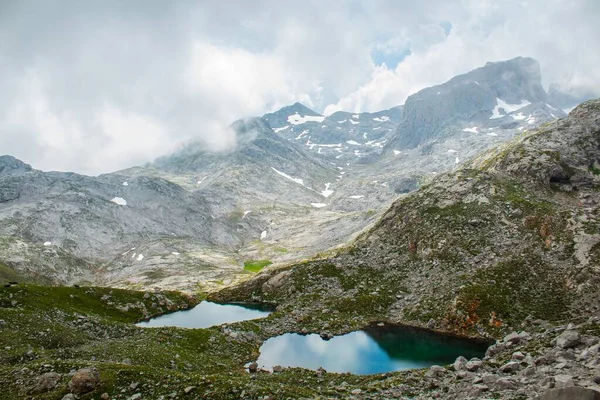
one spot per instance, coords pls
(256, 265)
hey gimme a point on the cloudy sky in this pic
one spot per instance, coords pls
(96, 86)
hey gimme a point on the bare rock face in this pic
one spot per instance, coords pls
(84, 381)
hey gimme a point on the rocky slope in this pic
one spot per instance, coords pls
(510, 237)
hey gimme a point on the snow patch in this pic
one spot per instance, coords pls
(342, 121)
(356, 116)
(263, 235)
(277, 130)
(125, 183)
(376, 128)
(318, 205)
(326, 193)
(297, 119)
(508, 108)
(456, 160)
(354, 122)
(519, 116)
(356, 197)
(396, 152)
(246, 213)
(353, 142)
(383, 118)
(175, 253)
(201, 180)
(452, 151)
(492, 134)
(304, 132)
(472, 130)
(47, 244)
(119, 200)
(297, 180)
(140, 257)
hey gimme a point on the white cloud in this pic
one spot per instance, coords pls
(123, 82)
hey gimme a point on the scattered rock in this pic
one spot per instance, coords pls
(435, 371)
(473, 364)
(460, 364)
(253, 367)
(70, 396)
(568, 339)
(46, 382)
(563, 381)
(189, 389)
(84, 381)
(509, 367)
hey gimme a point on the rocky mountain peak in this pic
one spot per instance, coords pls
(487, 93)
(11, 165)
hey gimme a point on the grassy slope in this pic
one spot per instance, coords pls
(67, 328)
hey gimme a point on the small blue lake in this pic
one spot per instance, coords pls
(370, 351)
(207, 314)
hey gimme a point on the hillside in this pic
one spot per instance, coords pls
(508, 239)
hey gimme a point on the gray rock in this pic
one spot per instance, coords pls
(509, 367)
(512, 338)
(69, 396)
(563, 381)
(460, 364)
(435, 371)
(568, 339)
(506, 384)
(46, 382)
(474, 364)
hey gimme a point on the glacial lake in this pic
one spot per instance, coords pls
(370, 351)
(207, 314)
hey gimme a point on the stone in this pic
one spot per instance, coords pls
(510, 366)
(136, 396)
(506, 384)
(46, 382)
(568, 339)
(563, 381)
(435, 371)
(189, 389)
(518, 356)
(105, 396)
(277, 369)
(84, 381)
(512, 338)
(460, 364)
(253, 367)
(69, 396)
(571, 393)
(489, 379)
(356, 391)
(474, 364)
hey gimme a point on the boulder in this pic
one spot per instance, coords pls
(46, 382)
(460, 364)
(509, 367)
(568, 339)
(253, 367)
(435, 371)
(571, 393)
(474, 364)
(84, 381)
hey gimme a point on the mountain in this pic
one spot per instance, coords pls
(190, 217)
(297, 183)
(499, 95)
(508, 239)
(342, 137)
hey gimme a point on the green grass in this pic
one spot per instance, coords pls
(256, 265)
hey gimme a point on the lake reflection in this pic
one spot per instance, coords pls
(371, 351)
(208, 314)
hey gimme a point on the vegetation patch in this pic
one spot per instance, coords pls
(256, 265)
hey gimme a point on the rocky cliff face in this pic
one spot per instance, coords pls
(494, 96)
(510, 238)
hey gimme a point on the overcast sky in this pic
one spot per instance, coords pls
(96, 86)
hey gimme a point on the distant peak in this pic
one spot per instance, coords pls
(10, 164)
